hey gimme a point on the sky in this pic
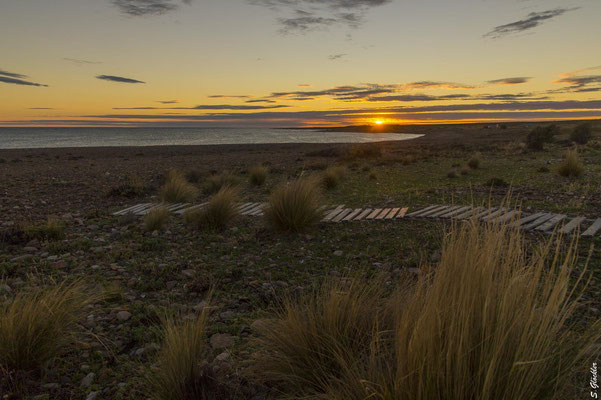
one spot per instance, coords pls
(288, 63)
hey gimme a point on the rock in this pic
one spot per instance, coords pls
(257, 325)
(30, 249)
(50, 386)
(52, 258)
(33, 243)
(21, 258)
(226, 315)
(87, 381)
(60, 264)
(92, 395)
(415, 271)
(5, 289)
(189, 273)
(222, 340)
(123, 315)
(223, 356)
(171, 284)
(338, 253)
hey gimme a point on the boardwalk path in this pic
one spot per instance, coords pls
(538, 222)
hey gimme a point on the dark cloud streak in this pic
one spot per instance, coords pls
(120, 79)
(531, 21)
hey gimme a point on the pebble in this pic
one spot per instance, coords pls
(87, 381)
(188, 273)
(222, 340)
(338, 253)
(92, 395)
(5, 289)
(21, 258)
(223, 356)
(123, 315)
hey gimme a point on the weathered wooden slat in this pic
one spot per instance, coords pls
(442, 212)
(177, 206)
(243, 207)
(128, 209)
(537, 222)
(550, 224)
(352, 215)
(433, 211)
(374, 213)
(455, 212)
(252, 209)
(343, 214)
(593, 229)
(141, 207)
(525, 220)
(485, 212)
(392, 213)
(493, 215)
(333, 213)
(146, 210)
(573, 224)
(259, 210)
(384, 213)
(192, 208)
(402, 213)
(507, 216)
(363, 214)
(421, 211)
(469, 213)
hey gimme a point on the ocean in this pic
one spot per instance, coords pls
(23, 138)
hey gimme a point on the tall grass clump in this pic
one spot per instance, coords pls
(331, 177)
(214, 183)
(494, 320)
(52, 229)
(571, 166)
(475, 161)
(257, 175)
(37, 326)
(364, 150)
(156, 218)
(540, 135)
(182, 371)
(177, 189)
(295, 206)
(218, 213)
(582, 133)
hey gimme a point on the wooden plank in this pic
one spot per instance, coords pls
(128, 209)
(178, 206)
(252, 209)
(573, 224)
(493, 215)
(363, 214)
(352, 215)
(442, 212)
(146, 210)
(333, 213)
(485, 212)
(392, 213)
(384, 213)
(455, 212)
(247, 207)
(469, 213)
(593, 229)
(374, 213)
(402, 213)
(508, 216)
(421, 211)
(243, 207)
(541, 220)
(192, 208)
(525, 220)
(141, 207)
(550, 224)
(343, 214)
(259, 210)
(433, 211)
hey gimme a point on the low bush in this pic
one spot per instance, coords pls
(331, 176)
(364, 150)
(53, 229)
(452, 174)
(541, 135)
(475, 161)
(571, 166)
(177, 189)
(214, 183)
(582, 133)
(295, 206)
(257, 175)
(156, 218)
(218, 213)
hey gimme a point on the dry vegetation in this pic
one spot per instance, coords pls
(177, 189)
(295, 206)
(571, 166)
(156, 218)
(257, 175)
(218, 213)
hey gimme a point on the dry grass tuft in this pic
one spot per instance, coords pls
(182, 371)
(494, 320)
(475, 161)
(214, 183)
(177, 189)
(53, 229)
(452, 173)
(156, 218)
(571, 166)
(295, 206)
(38, 326)
(332, 175)
(257, 175)
(218, 213)
(465, 170)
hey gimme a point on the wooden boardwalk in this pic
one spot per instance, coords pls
(538, 222)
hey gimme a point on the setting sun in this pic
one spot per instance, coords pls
(379, 122)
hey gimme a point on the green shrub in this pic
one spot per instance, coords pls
(474, 162)
(257, 175)
(541, 135)
(51, 230)
(295, 206)
(331, 176)
(218, 213)
(571, 166)
(156, 218)
(496, 182)
(177, 189)
(582, 133)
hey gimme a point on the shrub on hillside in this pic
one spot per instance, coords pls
(214, 183)
(571, 166)
(475, 161)
(582, 133)
(541, 135)
(330, 178)
(177, 189)
(156, 218)
(257, 175)
(218, 213)
(295, 206)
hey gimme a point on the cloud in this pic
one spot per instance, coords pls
(225, 96)
(119, 79)
(17, 79)
(205, 107)
(260, 101)
(335, 57)
(531, 21)
(139, 8)
(300, 16)
(575, 82)
(168, 101)
(304, 85)
(510, 81)
(41, 108)
(80, 62)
